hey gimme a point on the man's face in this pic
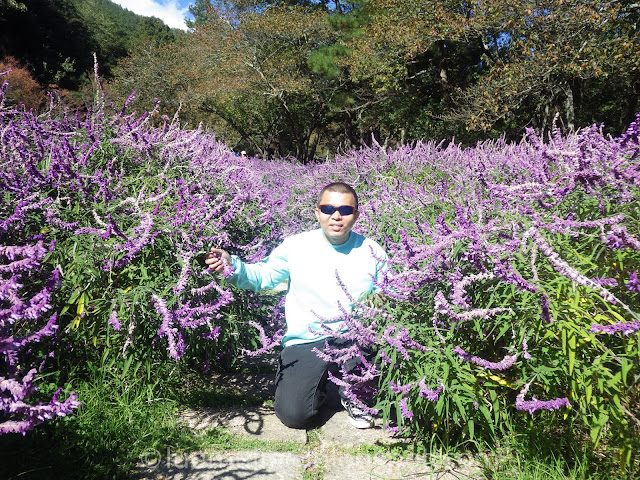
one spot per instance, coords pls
(336, 227)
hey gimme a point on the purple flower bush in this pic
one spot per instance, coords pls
(514, 273)
(22, 328)
(513, 266)
(127, 223)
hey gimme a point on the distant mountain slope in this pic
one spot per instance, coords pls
(56, 39)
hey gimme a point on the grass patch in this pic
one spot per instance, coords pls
(516, 465)
(197, 390)
(393, 451)
(220, 439)
(124, 415)
(313, 438)
(532, 450)
(315, 471)
(540, 451)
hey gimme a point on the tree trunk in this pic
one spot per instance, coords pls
(569, 109)
(442, 64)
(545, 120)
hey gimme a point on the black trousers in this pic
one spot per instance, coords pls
(301, 382)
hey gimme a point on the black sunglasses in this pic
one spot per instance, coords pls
(343, 209)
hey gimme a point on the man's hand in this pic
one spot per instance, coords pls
(217, 258)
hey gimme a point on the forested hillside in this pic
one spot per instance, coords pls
(309, 78)
(55, 40)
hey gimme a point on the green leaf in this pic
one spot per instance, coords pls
(126, 365)
(487, 415)
(461, 409)
(626, 366)
(572, 341)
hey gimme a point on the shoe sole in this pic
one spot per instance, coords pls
(361, 425)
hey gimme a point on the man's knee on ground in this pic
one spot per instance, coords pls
(292, 416)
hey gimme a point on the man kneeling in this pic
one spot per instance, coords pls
(313, 262)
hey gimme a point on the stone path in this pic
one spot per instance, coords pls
(333, 450)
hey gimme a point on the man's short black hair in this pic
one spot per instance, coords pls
(339, 187)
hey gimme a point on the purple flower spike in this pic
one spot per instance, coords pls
(622, 328)
(534, 404)
(633, 285)
(429, 393)
(504, 364)
(404, 409)
(268, 343)
(402, 341)
(113, 320)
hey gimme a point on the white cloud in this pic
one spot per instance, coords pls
(171, 12)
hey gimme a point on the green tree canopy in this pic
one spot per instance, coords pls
(308, 77)
(251, 75)
(527, 60)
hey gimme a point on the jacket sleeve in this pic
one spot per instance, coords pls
(264, 275)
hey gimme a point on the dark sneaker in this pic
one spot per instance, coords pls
(358, 417)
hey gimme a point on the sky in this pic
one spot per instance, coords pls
(171, 12)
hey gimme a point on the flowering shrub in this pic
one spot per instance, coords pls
(18, 353)
(514, 282)
(514, 287)
(128, 222)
